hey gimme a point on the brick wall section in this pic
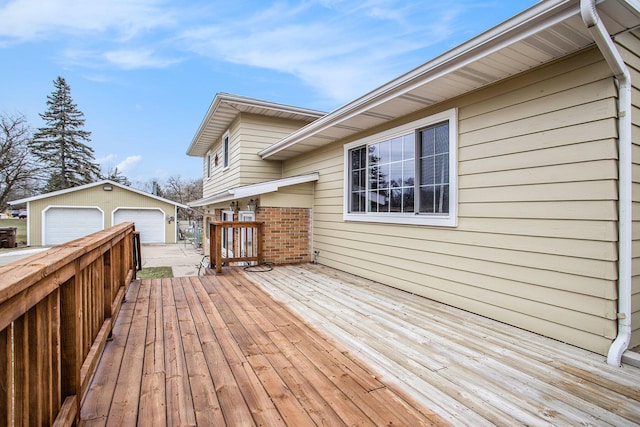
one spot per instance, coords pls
(286, 234)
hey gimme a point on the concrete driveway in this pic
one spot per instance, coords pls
(183, 259)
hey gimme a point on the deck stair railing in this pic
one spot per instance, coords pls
(238, 242)
(56, 313)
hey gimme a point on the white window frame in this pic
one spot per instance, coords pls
(208, 160)
(445, 220)
(225, 151)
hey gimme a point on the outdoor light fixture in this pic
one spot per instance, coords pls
(170, 219)
(234, 206)
(107, 188)
(252, 205)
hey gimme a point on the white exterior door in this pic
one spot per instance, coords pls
(149, 222)
(61, 224)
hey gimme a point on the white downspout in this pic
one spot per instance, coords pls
(621, 73)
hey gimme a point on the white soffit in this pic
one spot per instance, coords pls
(545, 32)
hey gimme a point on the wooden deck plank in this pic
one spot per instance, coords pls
(180, 410)
(327, 370)
(126, 396)
(282, 397)
(307, 387)
(97, 402)
(205, 402)
(308, 345)
(391, 339)
(517, 373)
(242, 398)
(152, 406)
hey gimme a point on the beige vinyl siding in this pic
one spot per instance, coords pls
(629, 46)
(248, 135)
(536, 241)
(223, 178)
(108, 201)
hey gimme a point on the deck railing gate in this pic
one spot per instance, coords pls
(235, 242)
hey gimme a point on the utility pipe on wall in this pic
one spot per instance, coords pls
(621, 73)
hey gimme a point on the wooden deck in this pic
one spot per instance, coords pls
(233, 350)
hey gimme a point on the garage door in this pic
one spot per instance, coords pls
(62, 224)
(149, 222)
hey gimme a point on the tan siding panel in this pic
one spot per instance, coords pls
(591, 171)
(587, 210)
(595, 190)
(566, 136)
(586, 152)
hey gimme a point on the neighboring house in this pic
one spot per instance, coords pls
(64, 215)
(496, 178)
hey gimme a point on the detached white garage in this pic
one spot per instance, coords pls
(61, 224)
(60, 216)
(149, 222)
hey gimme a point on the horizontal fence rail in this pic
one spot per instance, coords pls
(56, 313)
(235, 242)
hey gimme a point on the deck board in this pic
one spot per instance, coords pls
(466, 368)
(309, 345)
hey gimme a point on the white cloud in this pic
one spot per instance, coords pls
(109, 158)
(137, 58)
(128, 164)
(341, 55)
(33, 19)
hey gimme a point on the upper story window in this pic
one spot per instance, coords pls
(225, 150)
(208, 165)
(406, 175)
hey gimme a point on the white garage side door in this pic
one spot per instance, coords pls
(149, 222)
(62, 224)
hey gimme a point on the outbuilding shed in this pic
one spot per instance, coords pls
(64, 215)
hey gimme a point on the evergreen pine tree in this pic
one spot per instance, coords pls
(61, 144)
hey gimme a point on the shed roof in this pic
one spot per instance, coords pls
(543, 33)
(95, 184)
(255, 189)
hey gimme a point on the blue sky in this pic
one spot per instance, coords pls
(144, 72)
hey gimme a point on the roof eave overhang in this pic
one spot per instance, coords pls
(200, 145)
(253, 190)
(532, 21)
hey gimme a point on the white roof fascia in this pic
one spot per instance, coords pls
(256, 189)
(236, 99)
(95, 184)
(528, 22)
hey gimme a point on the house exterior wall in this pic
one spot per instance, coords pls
(248, 134)
(108, 201)
(536, 241)
(629, 46)
(286, 234)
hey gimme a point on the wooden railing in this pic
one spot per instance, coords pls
(56, 313)
(235, 242)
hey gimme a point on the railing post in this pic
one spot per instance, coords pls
(6, 377)
(259, 242)
(108, 283)
(218, 236)
(71, 339)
